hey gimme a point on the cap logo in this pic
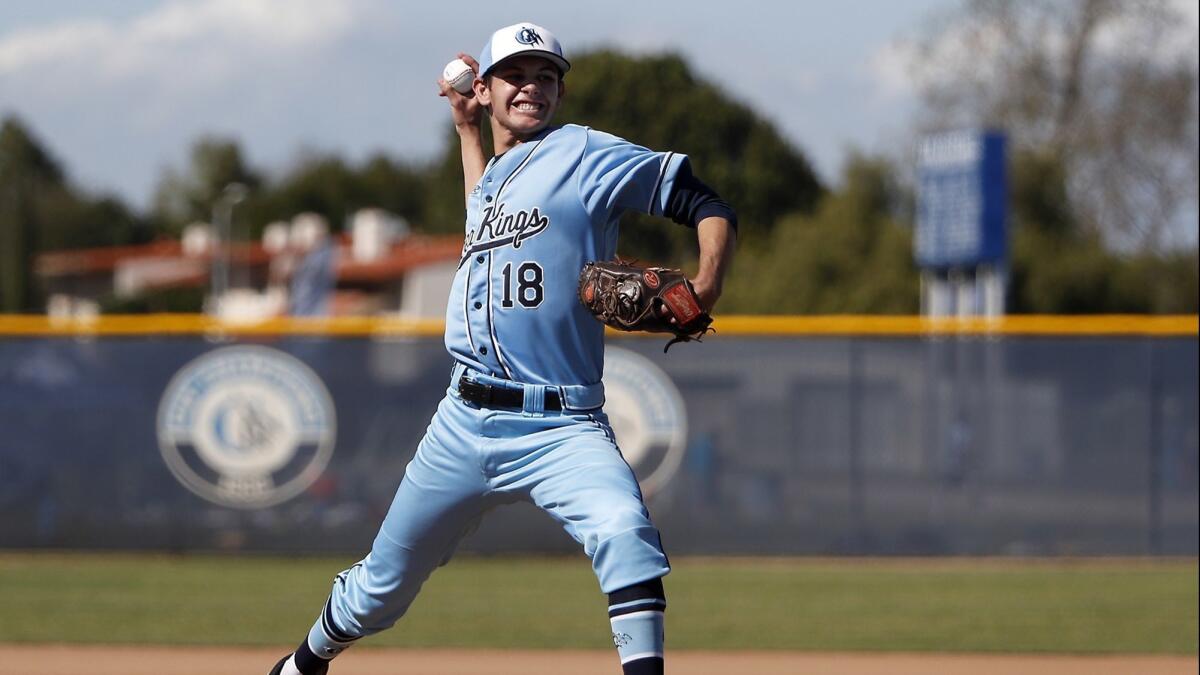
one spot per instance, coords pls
(528, 36)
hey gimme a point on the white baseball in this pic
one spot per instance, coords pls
(458, 75)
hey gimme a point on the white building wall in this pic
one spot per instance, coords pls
(426, 289)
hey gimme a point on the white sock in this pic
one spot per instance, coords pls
(638, 635)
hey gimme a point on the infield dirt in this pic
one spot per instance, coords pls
(108, 660)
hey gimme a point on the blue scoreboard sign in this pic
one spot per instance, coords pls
(962, 200)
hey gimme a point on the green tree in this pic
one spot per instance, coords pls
(327, 185)
(188, 196)
(22, 157)
(851, 256)
(41, 211)
(183, 300)
(321, 184)
(399, 188)
(445, 207)
(1159, 284)
(1061, 268)
(70, 220)
(27, 171)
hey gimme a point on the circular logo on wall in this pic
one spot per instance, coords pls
(647, 415)
(246, 426)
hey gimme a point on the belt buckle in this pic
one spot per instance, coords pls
(475, 392)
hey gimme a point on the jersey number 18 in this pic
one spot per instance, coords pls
(529, 289)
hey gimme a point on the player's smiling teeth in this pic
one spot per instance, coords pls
(526, 106)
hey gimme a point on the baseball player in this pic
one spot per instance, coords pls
(523, 415)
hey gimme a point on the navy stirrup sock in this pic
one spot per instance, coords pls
(636, 615)
(309, 663)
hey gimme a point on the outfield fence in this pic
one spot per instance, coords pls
(778, 435)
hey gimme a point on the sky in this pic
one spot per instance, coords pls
(119, 89)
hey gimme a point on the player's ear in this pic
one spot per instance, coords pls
(482, 94)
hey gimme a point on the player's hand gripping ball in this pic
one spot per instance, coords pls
(632, 298)
(459, 75)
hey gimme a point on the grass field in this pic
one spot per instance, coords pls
(1072, 606)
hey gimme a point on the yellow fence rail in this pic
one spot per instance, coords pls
(17, 325)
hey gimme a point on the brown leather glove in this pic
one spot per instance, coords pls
(631, 298)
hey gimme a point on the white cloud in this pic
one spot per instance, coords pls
(206, 39)
(33, 48)
(119, 99)
(889, 69)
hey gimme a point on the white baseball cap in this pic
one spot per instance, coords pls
(520, 39)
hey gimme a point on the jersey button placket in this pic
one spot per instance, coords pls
(486, 329)
(479, 319)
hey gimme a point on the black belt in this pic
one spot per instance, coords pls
(498, 397)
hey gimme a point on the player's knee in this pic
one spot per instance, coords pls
(372, 595)
(620, 525)
(629, 557)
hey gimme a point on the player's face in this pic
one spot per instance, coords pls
(524, 93)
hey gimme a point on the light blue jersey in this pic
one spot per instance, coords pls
(538, 214)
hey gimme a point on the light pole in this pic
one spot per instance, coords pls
(231, 195)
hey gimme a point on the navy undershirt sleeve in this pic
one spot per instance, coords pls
(692, 201)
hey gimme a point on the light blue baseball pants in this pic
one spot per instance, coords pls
(470, 460)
